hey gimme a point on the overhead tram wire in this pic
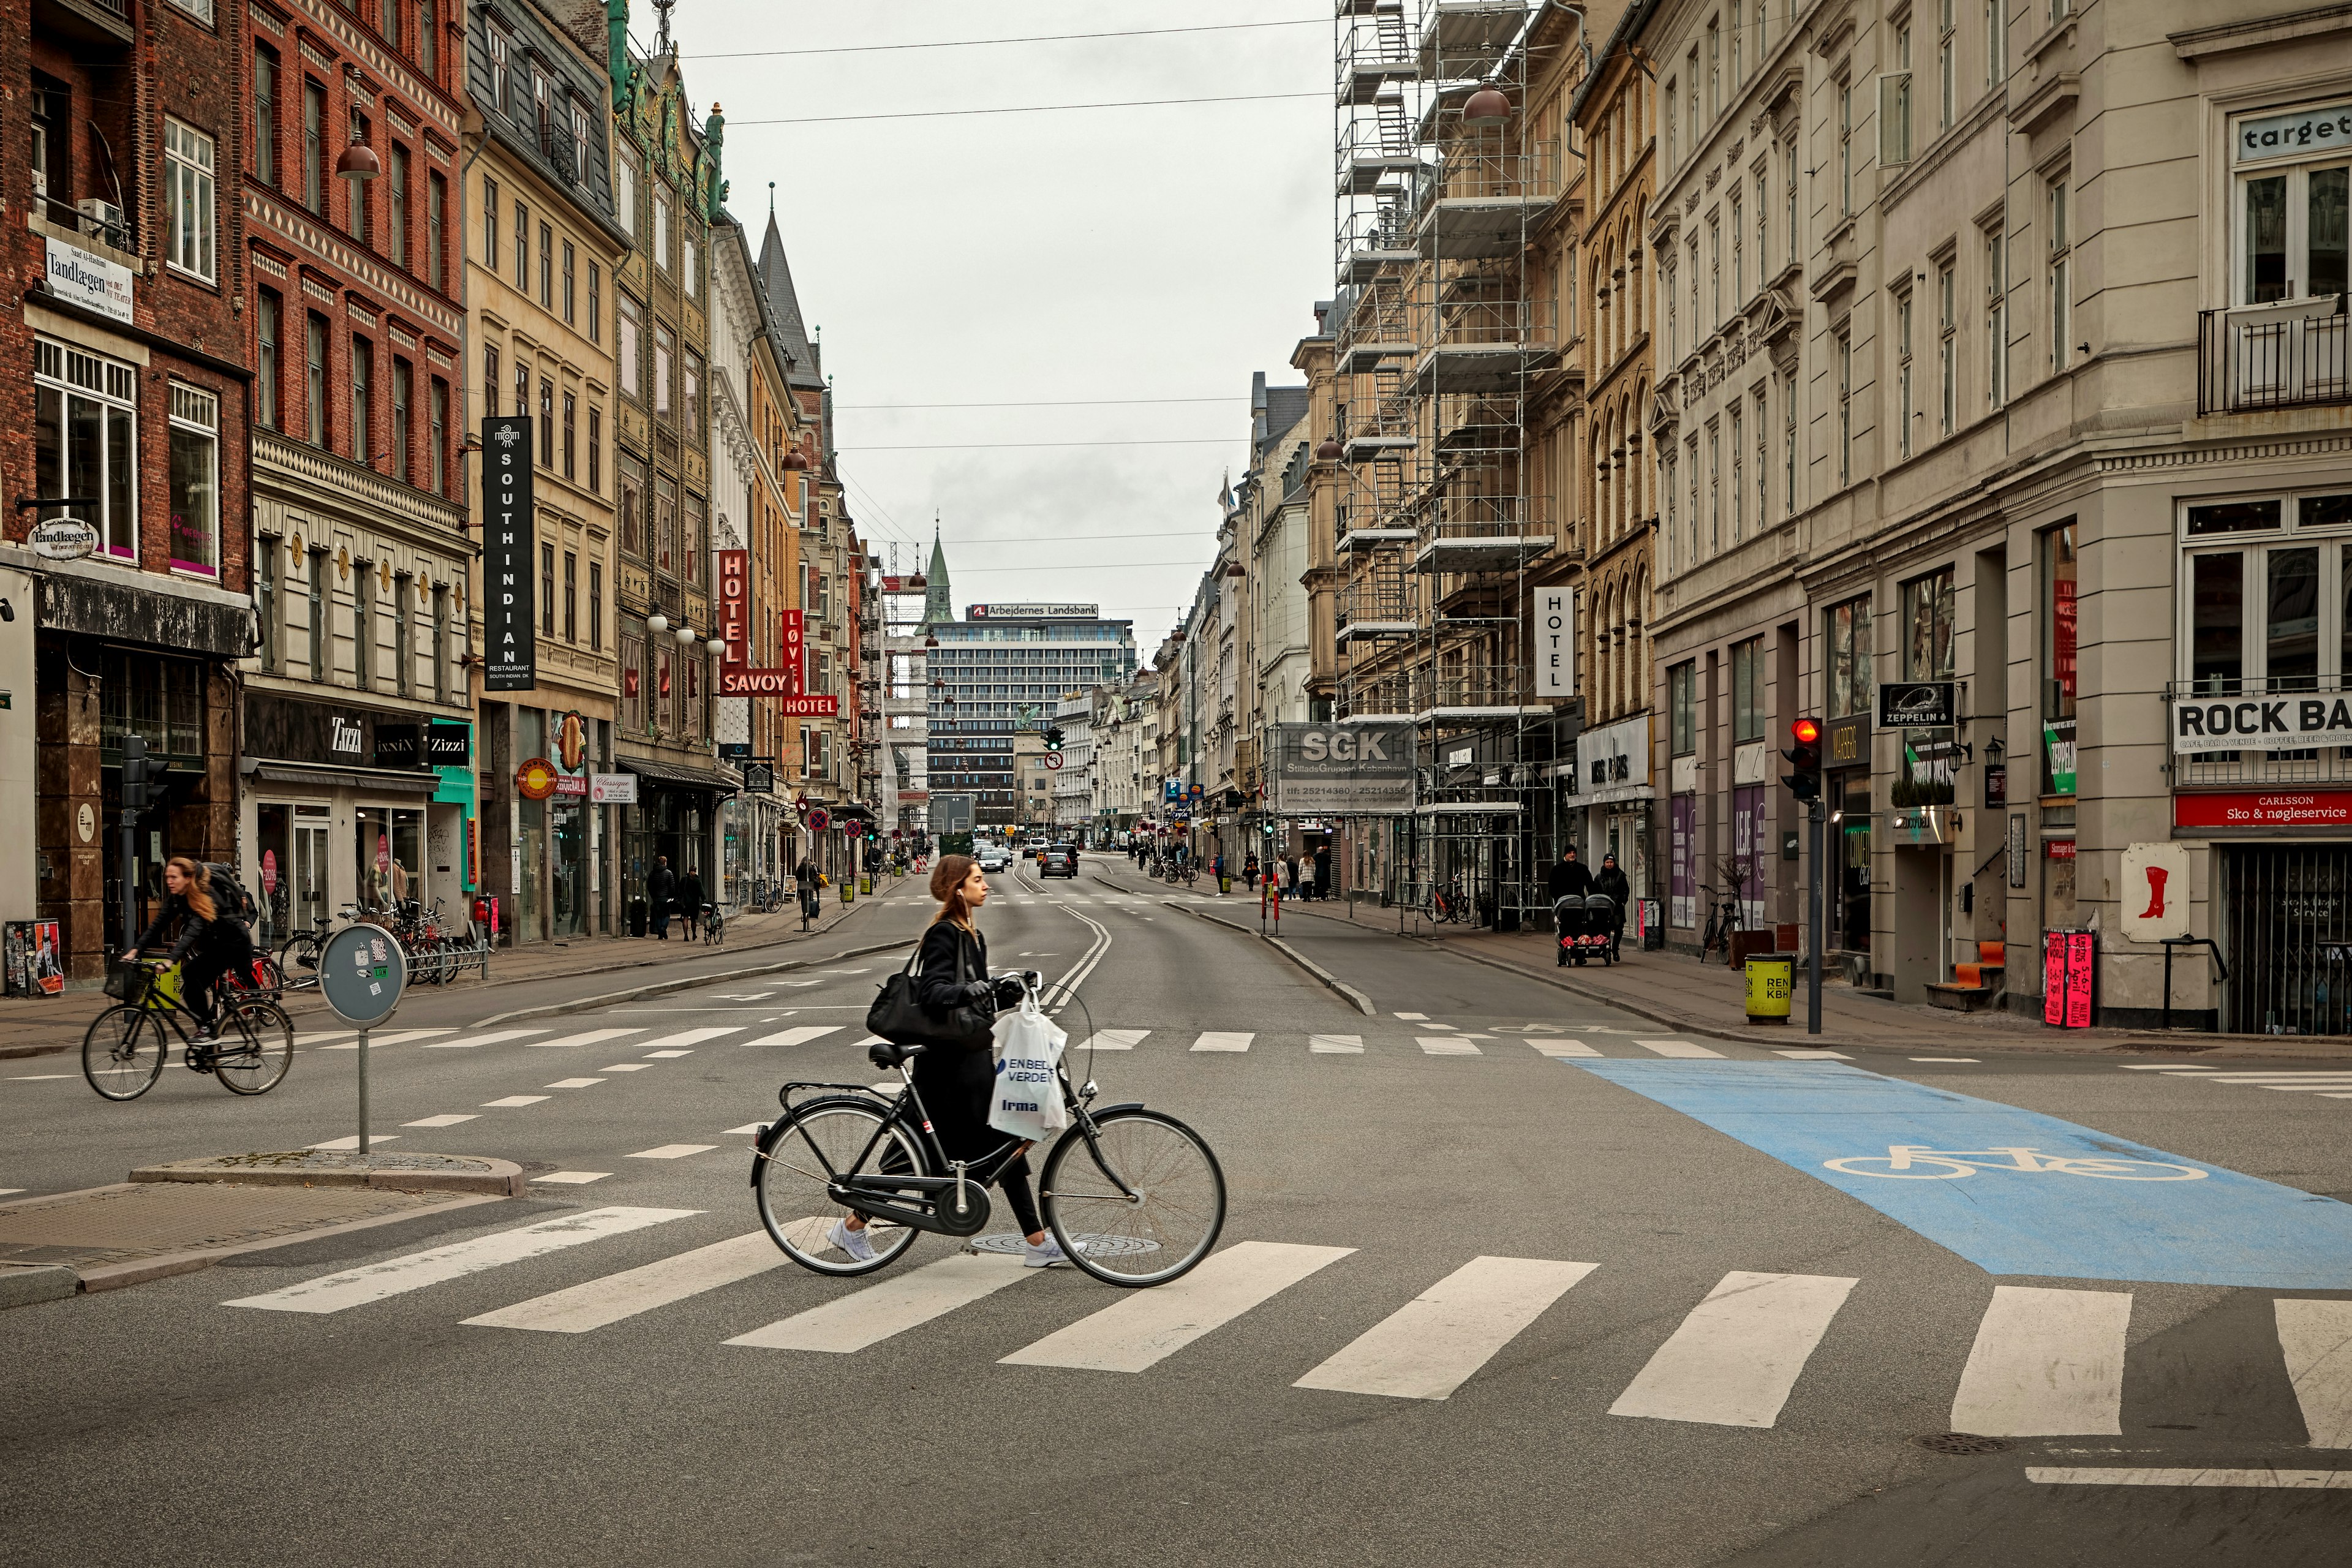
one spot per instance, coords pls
(1067, 402)
(1013, 446)
(1029, 108)
(991, 43)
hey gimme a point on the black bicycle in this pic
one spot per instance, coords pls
(124, 1052)
(1725, 919)
(1134, 1196)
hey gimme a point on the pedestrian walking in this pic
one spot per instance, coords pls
(1307, 880)
(1570, 876)
(957, 1082)
(1290, 874)
(1610, 881)
(804, 880)
(690, 901)
(1323, 872)
(661, 884)
(1250, 871)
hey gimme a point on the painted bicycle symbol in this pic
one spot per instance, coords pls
(1918, 1162)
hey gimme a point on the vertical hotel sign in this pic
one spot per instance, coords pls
(1555, 644)
(734, 610)
(508, 616)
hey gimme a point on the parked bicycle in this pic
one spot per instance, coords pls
(1134, 1196)
(714, 925)
(124, 1051)
(1724, 919)
(1447, 903)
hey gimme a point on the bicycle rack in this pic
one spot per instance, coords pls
(445, 964)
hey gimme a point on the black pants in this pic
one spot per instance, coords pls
(957, 1100)
(226, 949)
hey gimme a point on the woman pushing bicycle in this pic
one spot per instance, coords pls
(207, 941)
(958, 1084)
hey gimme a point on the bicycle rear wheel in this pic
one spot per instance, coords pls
(122, 1055)
(1164, 1221)
(816, 1143)
(255, 1048)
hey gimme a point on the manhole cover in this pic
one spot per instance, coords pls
(1962, 1443)
(1092, 1245)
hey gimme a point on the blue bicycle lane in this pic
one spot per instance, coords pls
(2217, 1227)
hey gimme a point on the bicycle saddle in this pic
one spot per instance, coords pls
(883, 1054)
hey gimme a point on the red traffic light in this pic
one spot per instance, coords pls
(1806, 732)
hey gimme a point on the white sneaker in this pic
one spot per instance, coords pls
(852, 1242)
(1044, 1257)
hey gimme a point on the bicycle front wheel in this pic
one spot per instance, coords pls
(1140, 1203)
(122, 1055)
(255, 1048)
(829, 1139)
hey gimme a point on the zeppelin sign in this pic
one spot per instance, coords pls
(2261, 723)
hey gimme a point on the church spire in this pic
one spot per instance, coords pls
(938, 607)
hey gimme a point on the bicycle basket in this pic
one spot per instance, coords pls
(128, 982)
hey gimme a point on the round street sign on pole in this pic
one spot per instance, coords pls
(362, 971)
(1053, 760)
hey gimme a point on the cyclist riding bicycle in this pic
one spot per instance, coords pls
(207, 941)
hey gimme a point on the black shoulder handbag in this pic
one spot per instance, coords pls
(898, 1017)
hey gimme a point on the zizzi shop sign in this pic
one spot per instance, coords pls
(2260, 723)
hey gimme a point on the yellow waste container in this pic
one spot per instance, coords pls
(1770, 978)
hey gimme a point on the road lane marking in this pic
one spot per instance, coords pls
(751, 1127)
(441, 1120)
(2295, 1481)
(352, 1142)
(1413, 1017)
(1215, 1040)
(1814, 1056)
(573, 1083)
(2284, 1075)
(2046, 1363)
(512, 1101)
(2162, 1067)
(1447, 1046)
(673, 1151)
(1434, 1343)
(439, 1265)
(1947, 1059)
(1146, 1326)
(869, 1317)
(573, 1178)
(664, 1055)
(1116, 1040)
(1563, 1048)
(495, 1036)
(2316, 1338)
(1679, 1049)
(799, 1036)
(1430, 1025)
(626, 1066)
(44, 1077)
(685, 1038)
(1336, 1045)
(1735, 1359)
(593, 1036)
(600, 1302)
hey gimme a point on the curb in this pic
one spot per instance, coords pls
(502, 1178)
(27, 1284)
(1355, 998)
(665, 988)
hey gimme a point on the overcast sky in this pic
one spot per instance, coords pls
(1083, 256)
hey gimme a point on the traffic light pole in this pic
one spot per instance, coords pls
(1814, 914)
(135, 797)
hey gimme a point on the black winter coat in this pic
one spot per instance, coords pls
(957, 1082)
(1612, 881)
(689, 892)
(1568, 877)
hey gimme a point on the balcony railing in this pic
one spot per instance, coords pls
(2273, 356)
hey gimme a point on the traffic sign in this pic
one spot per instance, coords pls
(1053, 761)
(362, 974)
(819, 819)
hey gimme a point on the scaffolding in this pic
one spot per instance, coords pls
(1437, 527)
(905, 697)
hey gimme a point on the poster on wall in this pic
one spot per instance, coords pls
(2068, 961)
(48, 959)
(1680, 888)
(509, 556)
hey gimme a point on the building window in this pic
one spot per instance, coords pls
(579, 143)
(595, 607)
(1672, 127)
(1714, 490)
(1691, 107)
(2062, 277)
(1763, 446)
(1681, 708)
(396, 207)
(2059, 642)
(1748, 701)
(1667, 487)
(1763, 228)
(1848, 673)
(696, 539)
(268, 322)
(691, 395)
(595, 449)
(1735, 47)
(196, 481)
(314, 348)
(661, 227)
(663, 353)
(1996, 253)
(547, 590)
(265, 114)
(627, 352)
(1691, 468)
(270, 587)
(403, 389)
(404, 637)
(1894, 103)
(428, 39)
(571, 431)
(319, 561)
(546, 268)
(1948, 67)
(436, 203)
(491, 224)
(546, 423)
(596, 303)
(440, 642)
(1673, 325)
(624, 192)
(189, 213)
(1789, 164)
(500, 48)
(521, 388)
(364, 625)
(314, 146)
(491, 381)
(1845, 148)
(629, 505)
(1903, 374)
(571, 282)
(522, 247)
(1845, 408)
(571, 596)
(665, 524)
(1928, 643)
(2294, 228)
(440, 434)
(1739, 472)
(1996, 31)
(1738, 251)
(358, 220)
(1948, 351)
(1714, 69)
(1714, 272)
(364, 402)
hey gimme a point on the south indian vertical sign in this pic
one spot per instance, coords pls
(510, 618)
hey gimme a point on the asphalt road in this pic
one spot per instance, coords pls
(1684, 1345)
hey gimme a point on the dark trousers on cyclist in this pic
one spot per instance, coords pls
(225, 949)
(957, 1087)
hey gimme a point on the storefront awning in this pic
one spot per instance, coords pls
(387, 780)
(679, 777)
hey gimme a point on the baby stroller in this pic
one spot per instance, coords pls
(1587, 927)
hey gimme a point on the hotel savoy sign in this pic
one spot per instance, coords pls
(2287, 723)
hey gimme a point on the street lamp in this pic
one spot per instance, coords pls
(657, 623)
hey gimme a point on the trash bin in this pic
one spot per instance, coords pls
(637, 917)
(1771, 976)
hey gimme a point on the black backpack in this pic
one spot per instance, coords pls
(229, 897)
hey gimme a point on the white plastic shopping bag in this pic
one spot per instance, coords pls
(1027, 1102)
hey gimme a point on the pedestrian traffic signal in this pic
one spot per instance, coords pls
(1805, 757)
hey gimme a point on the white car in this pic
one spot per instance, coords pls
(995, 858)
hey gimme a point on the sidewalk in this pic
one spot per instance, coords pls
(41, 1026)
(1675, 991)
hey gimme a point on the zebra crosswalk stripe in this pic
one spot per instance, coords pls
(1115, 1040)
(1564, 1048)
(1336, 1045)
(600, 1302)
(1677, 1049)
(868, 1317)
(1148, 1326)
(2046, 1363)
(496, 1036)
(1223, 1041)
(799, 1036)
(1733, 1360)
(2316, 1337)
(438, 1265)
(686, 1038)
(1447, 1046)
(589, 1037)
(1434, 1343)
